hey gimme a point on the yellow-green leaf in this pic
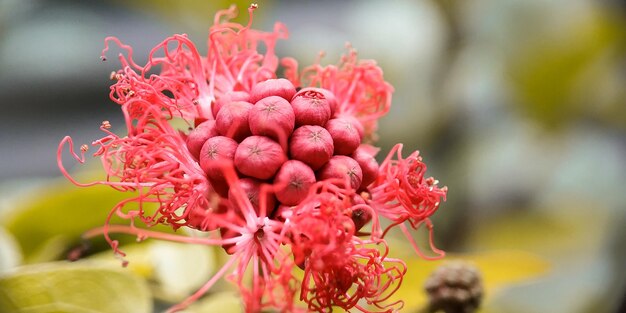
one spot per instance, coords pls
(84, 287)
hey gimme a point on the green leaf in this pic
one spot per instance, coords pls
(51, 221)
(73, 287)
(58, 216)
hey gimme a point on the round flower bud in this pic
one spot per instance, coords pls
(454, 287)
(330, 97)
(200, 217)
(297, 178)
(368, 165)
(220, 185)
(215, 152)
(259, 157)
(311, 108)
(312, 145)
(272, 87)
(199, 135)
(345, 135)
(360, 216)
(273, 117)
(355, 122)
(197, 218)
(252, 188)
(232, 120)
(231, 96)
(341, 166)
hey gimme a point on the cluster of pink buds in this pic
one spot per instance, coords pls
(279, 172)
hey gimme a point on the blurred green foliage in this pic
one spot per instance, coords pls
(73, 288)
(48, 225)
(51, 224)
(551, 76)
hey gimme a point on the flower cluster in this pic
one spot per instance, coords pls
(279, 172)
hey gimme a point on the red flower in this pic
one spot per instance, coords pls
(249, 175)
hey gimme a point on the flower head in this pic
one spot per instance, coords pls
(280, 177)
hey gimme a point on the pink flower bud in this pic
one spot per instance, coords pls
(215, 152)
(312, 145)
(360, 217)
(259, 157)
(199, 135)
(200, 218)
(341, 166)
(219, 184)
(330, 97)
(297, 178)
(368, 165)
(252, 188)
(232, 120)
(216, 149)
(345, 135)
(311, 108)
(197, 219)
(231, 96)
(272, 117)
(355, 122)
(272, 87)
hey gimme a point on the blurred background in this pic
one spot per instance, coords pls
(518, 106)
